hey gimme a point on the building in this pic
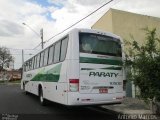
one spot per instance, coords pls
(126, 24)
(10, 75)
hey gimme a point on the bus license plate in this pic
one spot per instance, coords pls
(103, 90)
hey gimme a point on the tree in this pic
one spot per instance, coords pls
(144, 61)
(5, 58)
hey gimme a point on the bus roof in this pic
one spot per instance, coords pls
(96, 31)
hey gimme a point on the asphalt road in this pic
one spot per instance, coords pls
(14, 104)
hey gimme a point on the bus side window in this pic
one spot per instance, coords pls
(41, 58)
(45, 57)
(57, 52)
(30, 65)
(51, 52)
(38, 60)
(27, 66)
(64, 48)
(35, 62)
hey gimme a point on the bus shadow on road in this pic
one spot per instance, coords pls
(72, 112)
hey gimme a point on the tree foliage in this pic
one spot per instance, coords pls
(5, 58)
(144, 61)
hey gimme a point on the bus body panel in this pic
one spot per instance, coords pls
(54, 91)
(94, 79)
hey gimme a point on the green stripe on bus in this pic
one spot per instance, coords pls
(112, 68)
(100, 61)
(107, 68)
(51, 75)
(46, 78)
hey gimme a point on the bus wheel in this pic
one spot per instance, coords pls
(41, 98)
(24, 89)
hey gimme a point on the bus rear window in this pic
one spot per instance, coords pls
(99, 44)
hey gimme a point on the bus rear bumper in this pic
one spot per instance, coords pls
(94, 99)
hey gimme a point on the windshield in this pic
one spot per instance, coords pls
(99, 44)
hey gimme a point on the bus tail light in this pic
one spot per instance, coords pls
(74, 85)
(124, 85)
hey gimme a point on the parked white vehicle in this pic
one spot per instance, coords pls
(84, 67)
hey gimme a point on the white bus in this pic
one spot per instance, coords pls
(84, 67)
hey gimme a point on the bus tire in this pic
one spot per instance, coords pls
(24, 89)
(41, 98)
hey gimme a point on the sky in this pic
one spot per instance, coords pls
(54, 16)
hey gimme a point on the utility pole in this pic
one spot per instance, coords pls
(22, 62)
(22, 57)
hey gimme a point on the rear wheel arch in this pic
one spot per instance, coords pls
(39, 88)
(41, 95)
(24, 88)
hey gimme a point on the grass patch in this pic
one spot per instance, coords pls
(2, 81)
(15, 81)
(5, 81)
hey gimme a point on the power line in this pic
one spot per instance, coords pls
(39, 35)
(19, 49)
(77, 22)
(32, 29)
(36, 46)
(16, 54)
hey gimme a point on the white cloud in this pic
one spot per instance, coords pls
(12, 33)
(58, 2)
(90, 2)
(9, 28)
(63, 13)
(73, 11)
(146, 7)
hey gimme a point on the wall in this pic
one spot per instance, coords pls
(126, 24)
(105, 22)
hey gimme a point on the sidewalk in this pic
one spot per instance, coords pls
(130, 106)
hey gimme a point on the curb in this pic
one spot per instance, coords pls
(9, 83)
(128, 110)
(121, 115)
(111, 111)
